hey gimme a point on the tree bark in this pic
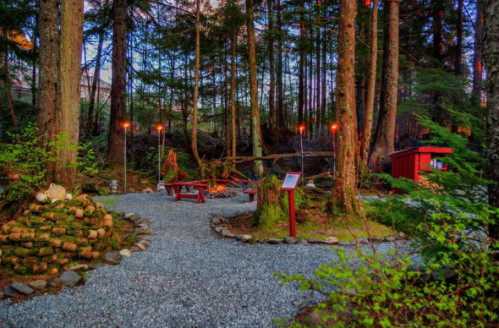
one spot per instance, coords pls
(491, 60)
(477, 56)
(70, 88)
(280, 96)
(459, 37)
(7, 83)
(255, 113)
(271, 68)
(49, 67)
(438, 43)
(385, 129)
(194, 140)
(301, 75)
(116, 140)
(345, 79)
(371, 87)
(232, 95)
(93, 92)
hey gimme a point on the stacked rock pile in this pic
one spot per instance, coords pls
(47, 237)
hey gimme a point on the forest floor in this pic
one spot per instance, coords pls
(189, 277)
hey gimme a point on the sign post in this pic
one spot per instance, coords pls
(289, 185)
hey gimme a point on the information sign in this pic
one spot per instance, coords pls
(291, 181)
(289, 185)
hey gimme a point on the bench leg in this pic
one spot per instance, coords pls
(169, 191)
(178, 190)
(200, 198)
(251, 197)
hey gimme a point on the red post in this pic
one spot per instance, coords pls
(292, 223)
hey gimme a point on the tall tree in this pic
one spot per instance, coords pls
(70, 85)
(345, 84)
(271, 65)
(384, 141)
(477, 55)
(279, 82)
(104, 22)
(116, 141)
(60, 75)
(371, 87)
(194, 140)
(7, 79)
(255, 112)
(49, 67)
(491, 60)
(438, 31)
(459, 36)
(301, 67)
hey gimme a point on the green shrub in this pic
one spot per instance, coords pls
(456, 286)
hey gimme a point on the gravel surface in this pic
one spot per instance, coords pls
(189, 277)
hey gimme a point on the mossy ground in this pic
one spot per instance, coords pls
(315, 218)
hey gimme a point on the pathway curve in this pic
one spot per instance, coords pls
(189, 277)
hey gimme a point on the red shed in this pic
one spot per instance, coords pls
(408, 163)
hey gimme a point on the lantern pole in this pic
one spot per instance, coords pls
(159, 128)
(125, 126)
(301, 128)
(334, 127)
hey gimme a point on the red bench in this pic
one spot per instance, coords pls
(203, 185)
(251, 193)
(177, 186)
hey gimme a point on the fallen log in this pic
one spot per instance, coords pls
(308, 154)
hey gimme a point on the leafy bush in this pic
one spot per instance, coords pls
(28, 155)
(456, 286)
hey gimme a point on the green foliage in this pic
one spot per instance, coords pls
(457, 286)
(28, 155)
(15, 197)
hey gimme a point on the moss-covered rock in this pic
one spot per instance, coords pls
(49, 236)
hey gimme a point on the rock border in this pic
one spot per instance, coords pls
(70, 278)
(217, 222)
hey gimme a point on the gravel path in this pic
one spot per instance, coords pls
(187, 278)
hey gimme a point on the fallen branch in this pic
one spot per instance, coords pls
(243, 159)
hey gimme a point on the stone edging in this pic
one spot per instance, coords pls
(217, 221)
(70, 277)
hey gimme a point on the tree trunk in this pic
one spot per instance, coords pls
(49, 66)
(385, 129)
(477, 56)
(93, 92)
(459, 37)
(116, 140)
(255, 113)
(196, 92)
(271, 68)
(280, 96)
(371, 87)
(345, 79)
(438, 43)
(7, 83)
(491, 60)
(228, 147)
(301, 75)
(70, 88)
(232, 95)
